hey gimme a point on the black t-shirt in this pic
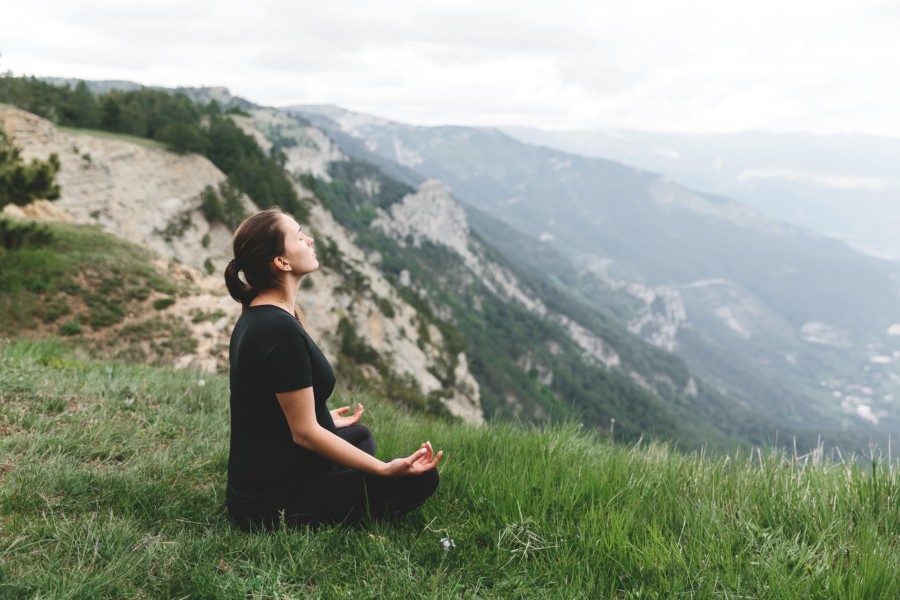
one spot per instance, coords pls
(270, 352)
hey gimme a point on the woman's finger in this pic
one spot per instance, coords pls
(413, 465)
(430, 462)
(415, 457)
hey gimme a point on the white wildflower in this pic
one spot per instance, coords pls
(448, 542)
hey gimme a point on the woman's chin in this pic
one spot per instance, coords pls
(312, 268)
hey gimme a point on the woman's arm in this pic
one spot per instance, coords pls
(300, 411)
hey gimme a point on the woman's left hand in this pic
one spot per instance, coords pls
(340, 421)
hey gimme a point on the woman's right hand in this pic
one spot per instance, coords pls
(421, 461)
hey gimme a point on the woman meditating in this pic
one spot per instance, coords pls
(290, 457)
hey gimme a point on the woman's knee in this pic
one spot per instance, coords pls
(429, 482)
(425, 486)
(366, 440)
(359, 436)
(363, 432)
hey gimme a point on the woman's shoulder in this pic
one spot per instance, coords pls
(266, 318)
(265, 312)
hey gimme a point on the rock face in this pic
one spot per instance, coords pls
(308, 149)
(661, 317)
(152, 197)
(432, 214)
(136, 192)
(395, 336)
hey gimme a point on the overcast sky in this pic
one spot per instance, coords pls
(823, 66)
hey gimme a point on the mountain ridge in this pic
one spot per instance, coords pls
(841, 185)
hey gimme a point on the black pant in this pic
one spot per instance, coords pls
(347, 495)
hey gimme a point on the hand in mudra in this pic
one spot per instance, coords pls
(422, 460)
(341, 421)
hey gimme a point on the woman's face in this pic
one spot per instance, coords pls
(298, 248)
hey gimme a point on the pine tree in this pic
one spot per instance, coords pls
(22, 183)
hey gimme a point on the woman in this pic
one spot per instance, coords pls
(290, 457)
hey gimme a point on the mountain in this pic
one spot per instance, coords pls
(793, 325)
(842, 186)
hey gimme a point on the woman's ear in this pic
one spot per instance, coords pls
(283, 263)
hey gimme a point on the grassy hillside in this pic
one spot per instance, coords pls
(101, 293)
(112, 485)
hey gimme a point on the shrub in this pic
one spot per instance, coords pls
(163, 303)
(176, 227)
(222, 206)
(15, 235)
(22, 183)
(70, 328)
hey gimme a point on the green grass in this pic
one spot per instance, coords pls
(112, 485)
(82, 284)
(109, 135)
(80, 264)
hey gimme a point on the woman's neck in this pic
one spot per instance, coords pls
(282, 298)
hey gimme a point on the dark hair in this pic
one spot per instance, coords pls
(257, 241)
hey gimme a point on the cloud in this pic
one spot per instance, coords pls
(828, 180)
(694, 65)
